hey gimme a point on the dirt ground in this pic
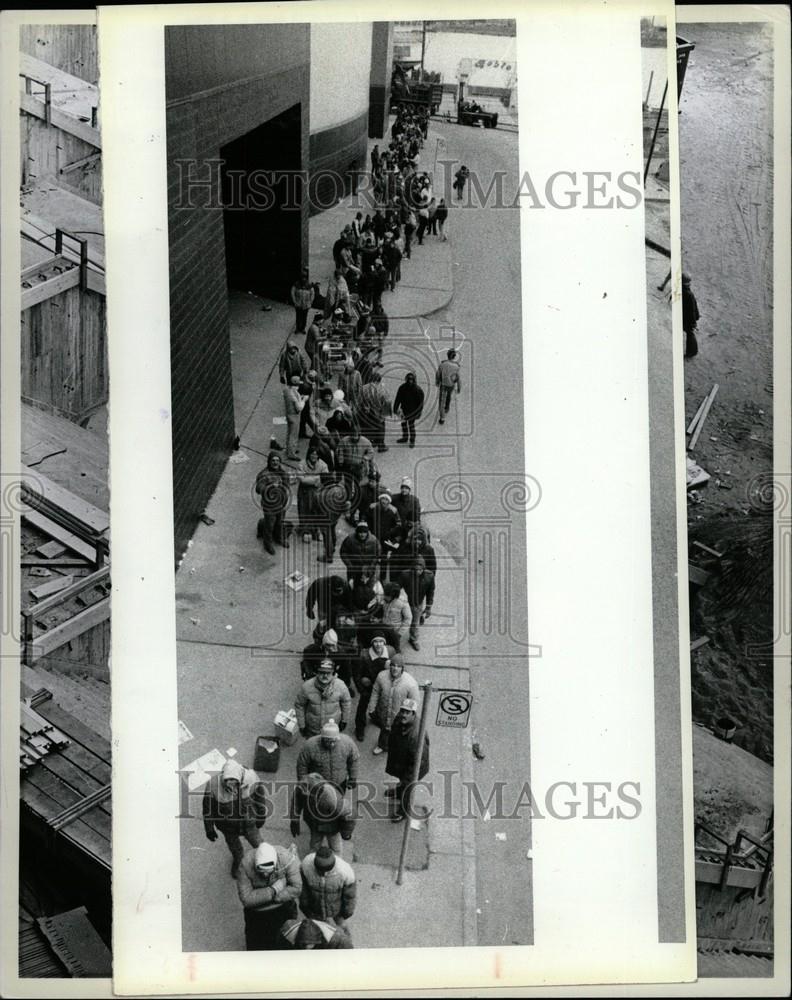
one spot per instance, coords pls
(726, 137)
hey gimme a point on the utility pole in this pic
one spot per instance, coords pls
(427, 695)
(423, 47)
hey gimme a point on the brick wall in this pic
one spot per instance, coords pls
(337, 156)
(202, 395)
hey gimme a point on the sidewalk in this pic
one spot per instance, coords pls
(240, 630)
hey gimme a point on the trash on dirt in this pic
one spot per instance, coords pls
(241, 569)
(238, 457)
(196, 621)
(500, 836)
(279, 421)
(696, 475)
(415, 824)
(206, 519)
(477, 753)
(231, 752)
(529, 854)
(376, 885)
(228, 628)
(192, 570)
(184, 733)
(486, 817)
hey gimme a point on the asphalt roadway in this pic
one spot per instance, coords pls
(468, 878)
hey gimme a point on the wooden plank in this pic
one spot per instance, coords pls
(48, 289)
(78, 833)
(59, 791)
(698, 643)
(56, 637)
(51, 587)
(699, 426)
(77, 731)
(39, 485)
(101, 576)
(51, 549)
(66, 562)
(84, 784)
(697, 416)
(67, 123)
(88, 762)
(69, 539)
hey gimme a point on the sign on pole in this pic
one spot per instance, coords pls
(453, 709)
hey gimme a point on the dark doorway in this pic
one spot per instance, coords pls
(262, 195)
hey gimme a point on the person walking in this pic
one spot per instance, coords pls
(441, 215)
(313, 935)
(321, 698)
(302, 293)
(272, 485)
(268, 886)
(370, 664)
(329, 890)
(325, 811)
(447, 380)
(333, 755)
(392, 686)
(460, 179)
(417, 583)
(404, 749)
(361, 553)
(234, 805)
(408, 405)
(293, 404)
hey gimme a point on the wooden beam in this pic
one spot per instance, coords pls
(50, 589)
(44, 290)
(55, 530)
(705, 413)
(74, 588)
(71, 629)
(37, 485)
(66, 123)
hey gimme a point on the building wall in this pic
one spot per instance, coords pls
(221, 82)
(379, 84)
(340, 87)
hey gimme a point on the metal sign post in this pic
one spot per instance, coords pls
(427, 695)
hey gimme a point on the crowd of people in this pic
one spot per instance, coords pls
(364, 613)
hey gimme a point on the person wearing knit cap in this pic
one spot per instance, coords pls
(272, 486)
(408, 404)
(404, 748)
(333, 755)
(329, 890)
(407, 504)
(323, 807)
(268, 885)
(371, 663)
(307, 934)
(360, 553)
(322, 697)
(383, 519)
(234, 804)
(315, 652)
(391, 688)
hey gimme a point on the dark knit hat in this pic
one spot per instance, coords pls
(308, 934)
(324, 860)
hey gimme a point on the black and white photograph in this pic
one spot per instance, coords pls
(63, 502)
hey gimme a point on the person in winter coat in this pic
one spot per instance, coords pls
(293, 403)
(440, 218)
(323, 442)
(308, 935)
(447, 380)
(337, 294)
(272, 485)
(418, 545)
(407, 505)
(360, 553)
(373, 407)
(333, 755)
(292, 362)
(317, 652)
(460, 179)
(379, 282)
(390, 689)
(350, 463)
(369, 666)
(268, 886)
(322, 407)
(331, 503)
(321, 698)
(302, 293)
(396, 613)
(309, 478)
(690, 317)
(408, 404)
(234, 804)
(329, 890)
(418, 584)
(391, 258)
(350, 383)
(325, 811)
(383, 520)
(403, 753)
(324, 598)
